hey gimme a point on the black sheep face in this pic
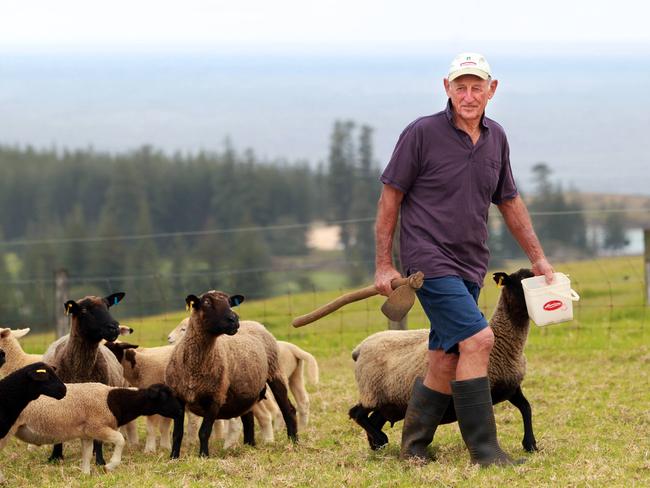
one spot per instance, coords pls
(3, 359)
(214, 313)
(513, 292)
(166, 402)
(93, 319)
(44, 381)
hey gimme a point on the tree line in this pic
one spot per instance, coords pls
(226, 218)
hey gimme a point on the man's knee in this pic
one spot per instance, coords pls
(480, 343)
(442, 363)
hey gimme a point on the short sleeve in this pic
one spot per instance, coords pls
(506, 188)
(404, 164)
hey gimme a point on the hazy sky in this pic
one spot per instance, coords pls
(88, 24)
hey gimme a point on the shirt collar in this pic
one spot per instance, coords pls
(449, 112)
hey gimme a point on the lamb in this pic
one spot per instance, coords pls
(92, 411)
(80, 357)
(292, 361)
(21, 387)
(15, 356)
(143, 368)
(221, 367)
(388, 362)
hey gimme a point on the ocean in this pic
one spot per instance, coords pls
(587, 117)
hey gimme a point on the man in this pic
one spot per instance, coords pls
(445, 171)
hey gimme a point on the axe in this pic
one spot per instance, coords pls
(397, 305)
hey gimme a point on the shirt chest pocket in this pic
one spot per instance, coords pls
(486, 176)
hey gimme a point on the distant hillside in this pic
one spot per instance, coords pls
(592, 201)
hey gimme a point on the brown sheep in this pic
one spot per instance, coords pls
(220, 369)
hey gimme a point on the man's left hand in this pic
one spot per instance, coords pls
(543, 267)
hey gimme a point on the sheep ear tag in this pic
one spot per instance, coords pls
(236, 300)
(189, 305)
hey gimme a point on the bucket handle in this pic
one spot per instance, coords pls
(573, 295)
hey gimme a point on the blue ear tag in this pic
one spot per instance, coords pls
(115, 301)
(235, 301)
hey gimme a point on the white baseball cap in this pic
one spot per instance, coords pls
(469, 64)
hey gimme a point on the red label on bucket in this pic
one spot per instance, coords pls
(552, 305)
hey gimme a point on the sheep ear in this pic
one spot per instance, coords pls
(125, 330)
(18, 333)
(71, 307)
(192, 301)
(115, 298)
(501, 279)
(4, 333)
(40, 374)
(236, 300)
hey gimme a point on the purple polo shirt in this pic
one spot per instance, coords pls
(448, 184)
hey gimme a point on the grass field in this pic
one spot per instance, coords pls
(588, 382)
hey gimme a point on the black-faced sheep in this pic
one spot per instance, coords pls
(80, 357)
(21, 387)
(92, 411)
(220, 369)
(388, 362)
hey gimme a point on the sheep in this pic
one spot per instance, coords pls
(92, 411)
(221, 367)
(19, 388)
(143, 368)
(17, 357)
(292, 359)
(80, 357)
(388, 362)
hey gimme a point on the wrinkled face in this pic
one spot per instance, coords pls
(45, 381)
(214, 313)
(469, 95)
(94, 321)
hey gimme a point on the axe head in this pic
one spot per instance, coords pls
(399, 302)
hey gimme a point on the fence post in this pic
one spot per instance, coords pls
(646, 238)
(401, 325)
(61, 295)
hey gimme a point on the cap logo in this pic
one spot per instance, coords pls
(468, 63)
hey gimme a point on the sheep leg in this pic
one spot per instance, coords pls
(86, 455)
(57, 453)
(248, 420)
(288, 411)
(297, 387)
(264, 416)
(233, 428)
(205, 431)
(372, 425)
(99, 453)
(163, 426)
(153, 421)
(117, 439)
(177, 436)
(519, 400)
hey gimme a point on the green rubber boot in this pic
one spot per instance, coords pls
(473, 404)
(423, 414)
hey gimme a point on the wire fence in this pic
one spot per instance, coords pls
(612, 311)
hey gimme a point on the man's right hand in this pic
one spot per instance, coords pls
(384, 275)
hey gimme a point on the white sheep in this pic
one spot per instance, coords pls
(15, 356)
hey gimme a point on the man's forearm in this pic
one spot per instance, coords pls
(515, 215)
(387, 212)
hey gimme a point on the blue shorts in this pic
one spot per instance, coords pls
(451, 304)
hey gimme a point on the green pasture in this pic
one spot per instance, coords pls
(588, 384)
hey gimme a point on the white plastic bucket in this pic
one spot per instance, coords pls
(549, 304)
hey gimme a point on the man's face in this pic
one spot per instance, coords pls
(469, 95)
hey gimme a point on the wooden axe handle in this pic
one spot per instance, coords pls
(353, 296)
